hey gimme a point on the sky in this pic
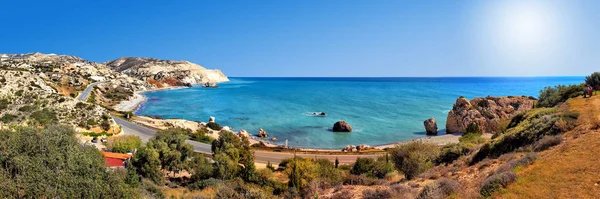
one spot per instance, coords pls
(331, 38)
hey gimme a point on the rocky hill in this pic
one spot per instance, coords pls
(164, 73)
(26, 99)
(488, 113)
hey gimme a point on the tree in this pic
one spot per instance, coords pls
(593, 80)
(229, 152)
(300, 171)
(337, 162)
(172, 149)
(200, 167)
(51, 163)
(132, 178)
(362, 166)
(147, 159)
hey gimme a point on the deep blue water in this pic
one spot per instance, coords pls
(381, 110)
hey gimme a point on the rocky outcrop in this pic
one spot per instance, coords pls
(487, 112)
(431, 126)
(262, 133)
(164, 73)
(212, 119)
(342, 126)
(349, 148)
(244, 133)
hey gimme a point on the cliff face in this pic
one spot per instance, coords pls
(164, 73)
(487, 112)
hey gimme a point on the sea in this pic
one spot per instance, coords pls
(380, 110)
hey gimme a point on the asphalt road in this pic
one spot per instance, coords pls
(130, 128)
(84, 95)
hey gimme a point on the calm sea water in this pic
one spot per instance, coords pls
(380, 110)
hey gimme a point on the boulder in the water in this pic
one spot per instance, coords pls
(342, 126)
(211, 119)
(431, 126)
(262, 133)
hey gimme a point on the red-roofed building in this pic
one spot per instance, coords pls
(115, 160)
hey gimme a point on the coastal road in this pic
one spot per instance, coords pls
(84, 95)
(130, 128)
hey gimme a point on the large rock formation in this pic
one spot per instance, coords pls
(487, 112)
(431, 126)
(164, 73)
(342, 126)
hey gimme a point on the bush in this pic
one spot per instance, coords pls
(414, 158)
(593, 80)
(345, 194)
(497, 182)
(362, 180)
(7, 118)
(124, 144)
(200, 136)
(377, 194)
(214, 126)
(452, 152)
(441, 188)
(202, 184)
(524, 161)
(4, 104)
(44, 117)
(26, 108)
(363, 166)
(547, 142)
(552, 96)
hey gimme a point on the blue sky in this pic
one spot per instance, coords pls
(319, 38)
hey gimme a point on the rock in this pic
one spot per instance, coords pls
(349, 148)
(323, 114)
(431, 126)
(274, 139)
(262, 133)
(486, 112)
(226, 128)
(211, 119)
(362, 147)
(342, 126)
(244, 133)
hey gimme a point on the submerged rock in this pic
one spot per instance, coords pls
(431, 126)
(342, 126)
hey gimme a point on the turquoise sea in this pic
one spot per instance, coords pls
(380, 110)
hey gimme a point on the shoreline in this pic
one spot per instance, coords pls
(133, 103)
(138, 99)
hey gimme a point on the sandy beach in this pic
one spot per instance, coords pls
(138, 98)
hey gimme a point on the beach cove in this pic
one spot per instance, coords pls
(381, 110)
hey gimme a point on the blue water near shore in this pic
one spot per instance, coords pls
(380, 110)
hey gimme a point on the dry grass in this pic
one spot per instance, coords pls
(570, 170)
(208, 192)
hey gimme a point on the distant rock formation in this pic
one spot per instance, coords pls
(342, 126)
(165, 73)
(487, 112)
(431, 126)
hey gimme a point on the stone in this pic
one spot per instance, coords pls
(262, 133)
(486, 112)
(211, 119)
(274, 139)
(244, 133)
(342, 126)
(362, 147)
(349, 148)
(431, 126)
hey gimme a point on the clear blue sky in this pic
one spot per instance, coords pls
(319, 38)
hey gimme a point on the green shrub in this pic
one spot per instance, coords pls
(593, 80)
(202, 184)
(124, 144)
(363, 166)
(414, 158)
(441, 188)
(44, 117)
(524, 161)
(362, 180)
(73, 95)
(497, 182)
(452, 152)
(214, 126)
(19, 93)
(200, 136)
(26, 108)
(4, 104)
(516, 120)
(7, 118)
(552, 96)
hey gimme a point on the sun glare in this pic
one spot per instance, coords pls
(516, 34)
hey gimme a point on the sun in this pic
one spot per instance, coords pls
(518, 34)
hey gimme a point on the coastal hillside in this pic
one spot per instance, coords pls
(164, 73)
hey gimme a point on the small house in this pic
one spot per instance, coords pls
(115, 160)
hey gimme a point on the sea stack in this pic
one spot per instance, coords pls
(342, 126)
(431, 126)
(262, 133)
